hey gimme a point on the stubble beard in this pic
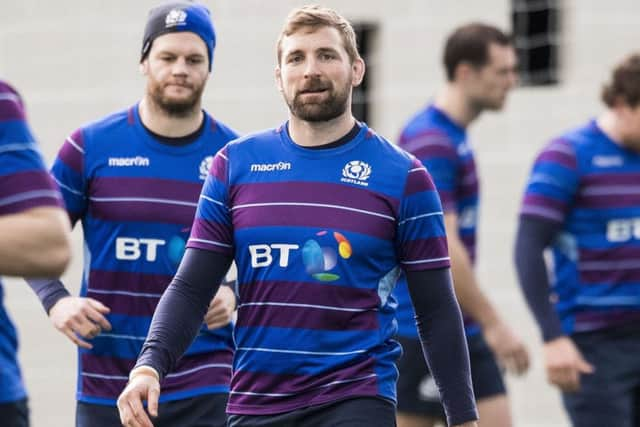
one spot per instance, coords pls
(172, 107)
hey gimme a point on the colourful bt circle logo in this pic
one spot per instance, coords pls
(320, 255)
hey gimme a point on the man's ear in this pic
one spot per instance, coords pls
(278, 76)
(144, 67)
(358, 69)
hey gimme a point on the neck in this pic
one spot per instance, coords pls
(313, 134)
(158, 121)
(609, 122)
(456, 105)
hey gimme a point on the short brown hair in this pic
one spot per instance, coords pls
(625, 83)
(470, 43)
(315, 17)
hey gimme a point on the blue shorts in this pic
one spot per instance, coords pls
(201, 411)
(417, 390)
(611, 395)
(354, 412)
(14, 414)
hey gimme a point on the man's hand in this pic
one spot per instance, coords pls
(507, 347)
(75, 316)
(221, 308)
(143, 385)
(564, 364)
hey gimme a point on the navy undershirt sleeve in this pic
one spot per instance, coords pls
(534, 235)
(441, 331)
(181, 310)
(48, 291)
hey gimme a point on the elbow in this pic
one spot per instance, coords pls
(53, 259)
(58, 261)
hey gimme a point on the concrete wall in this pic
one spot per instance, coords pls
(75, 61)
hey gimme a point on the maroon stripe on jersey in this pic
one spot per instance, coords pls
(355, 380)
(127, 304)
(71, 155)
(531, 199)
(315, 216)
(211, 230)
(418, 181)
(128, 282)
(448, 200)
(313, 192)
(608, 179)
(26, 190)
(106, 377)
(145, 187)
(11, 108)
(219, 166)
(146, 211)
(309, 293)
(562, 155)
(432, 247)
(609, 200)
(613, 275)
(610, 254)
(592, 320)
(436, 151)
(307, 317)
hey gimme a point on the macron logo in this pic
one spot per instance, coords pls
(270, 167)
(129, 161)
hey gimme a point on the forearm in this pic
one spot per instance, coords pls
(181, 309)
(470, 297)
(49, 291)
(532, 238)
(35, 243)
(441, 332)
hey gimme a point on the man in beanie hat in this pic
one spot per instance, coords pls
(133, 179)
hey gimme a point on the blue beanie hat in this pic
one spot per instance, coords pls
(179, 16)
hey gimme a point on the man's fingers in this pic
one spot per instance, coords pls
(585, 367)
(97, 305)
(96, 317)
(152, 401)
(138, 413)
(74, 338)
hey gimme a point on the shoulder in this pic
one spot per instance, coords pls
(221, 130)
(104, 127)
(11, 106)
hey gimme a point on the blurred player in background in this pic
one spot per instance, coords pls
(35, 237)
(582, 202)
(133, 180)
(321, 215)
(480, 64)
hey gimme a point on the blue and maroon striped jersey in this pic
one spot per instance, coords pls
(591, 185)
(136, 198)
(441, 145)
(24, 184)
(319, 238)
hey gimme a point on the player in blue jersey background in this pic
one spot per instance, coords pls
(321, 215)
(582, 202)
(35, 236)
(480, 66)
(132, 179)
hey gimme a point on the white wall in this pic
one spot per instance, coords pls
(75, 61)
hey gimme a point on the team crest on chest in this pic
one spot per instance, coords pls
(356, 172)
(205, 165)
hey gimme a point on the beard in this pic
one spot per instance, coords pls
(173, 107)
(319, 111)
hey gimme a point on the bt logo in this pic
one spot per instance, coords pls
(622, 230)
(131, 249)
(319, 255)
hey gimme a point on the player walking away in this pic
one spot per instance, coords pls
(582, 202)
(35, 236)
(480, 66)
(321, 215)
(133, 180)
